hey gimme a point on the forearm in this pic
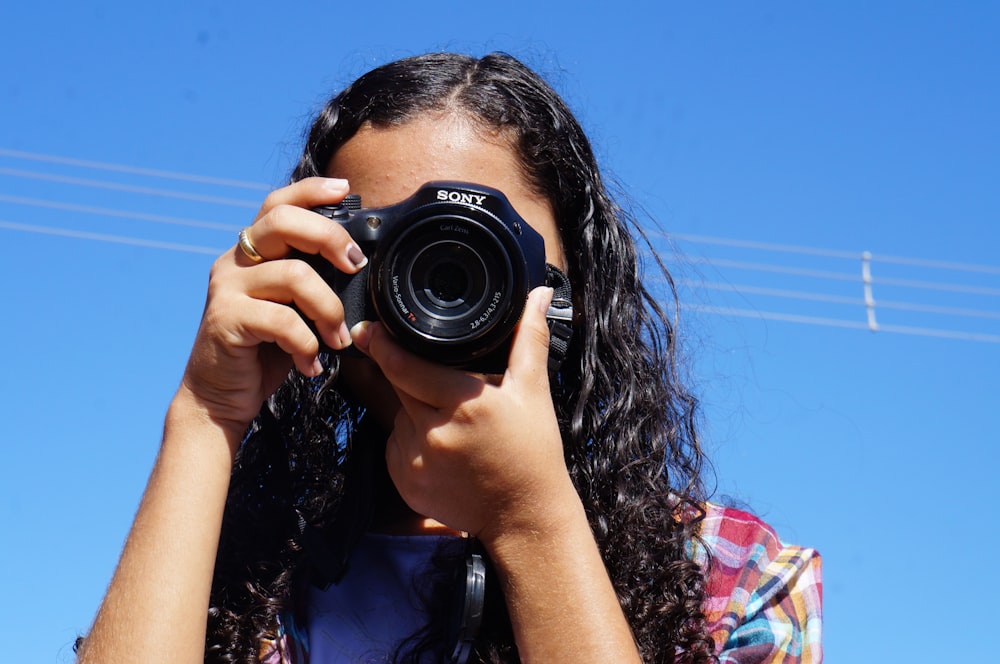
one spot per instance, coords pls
(156, 606)
(562, 604)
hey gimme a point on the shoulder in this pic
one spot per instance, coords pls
(763, 596)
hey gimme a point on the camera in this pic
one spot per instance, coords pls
(449, 271)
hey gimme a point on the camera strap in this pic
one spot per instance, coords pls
(468, 604)
(559, 316)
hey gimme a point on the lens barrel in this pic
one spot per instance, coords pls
(448, 282)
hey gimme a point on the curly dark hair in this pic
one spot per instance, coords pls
(627, 422)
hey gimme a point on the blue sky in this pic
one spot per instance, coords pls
(774, 144)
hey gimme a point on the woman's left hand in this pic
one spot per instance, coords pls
(478, 454)
(484, 455)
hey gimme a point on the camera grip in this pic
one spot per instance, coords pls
(352, 289)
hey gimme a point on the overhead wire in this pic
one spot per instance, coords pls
(856, 325)
(779, 269)
(111, 212)
(843, 276)
(836, 299)
(754, 244)
(132, 189)
(830, 253)
(133, 170)
(714, 262)
(103, 237)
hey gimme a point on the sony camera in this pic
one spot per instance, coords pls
(448, 274)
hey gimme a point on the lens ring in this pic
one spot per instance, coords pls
(447, 285)
(447, 280)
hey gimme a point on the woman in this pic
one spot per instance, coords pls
(340, 518)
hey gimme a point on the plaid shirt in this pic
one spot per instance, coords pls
(764, 598)
(763, 601)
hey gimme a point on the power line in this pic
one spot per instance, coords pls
(772, 292)
(829, 253)
(843, 276)
(947, 311)
(227, 182)
(941, 265)
(125, 214)
(837, 299)
(684, 237)
(134, 170)
(710, 309)
(833, 322)
(115, 186)
(933, 285)
(863, 260)
(779, 269)
(116, 239)
(753, 244)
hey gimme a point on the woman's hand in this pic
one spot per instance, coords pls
(250, 336)
(477, 454)
(155, 607)
(485, 456)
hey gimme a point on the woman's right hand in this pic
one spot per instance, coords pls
(250, 336)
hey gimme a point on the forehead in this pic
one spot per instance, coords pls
(387, 164)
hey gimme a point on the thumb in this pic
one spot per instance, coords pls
(529, 352)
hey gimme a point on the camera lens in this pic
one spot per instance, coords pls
(448, 284)
(447, 279)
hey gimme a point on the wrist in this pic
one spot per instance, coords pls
(553, 575)
(188, 418)
(544, 526)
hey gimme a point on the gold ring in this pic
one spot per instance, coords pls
(247, 246)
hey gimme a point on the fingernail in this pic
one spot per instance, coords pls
(317, 367)
(336, 185)
(345, 336)
(361, 333)
(545, 299)
(356, 256)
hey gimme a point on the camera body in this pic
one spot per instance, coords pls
(448, 274)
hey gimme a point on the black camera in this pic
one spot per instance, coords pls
(448, 274)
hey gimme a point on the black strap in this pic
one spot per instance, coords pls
(559, 316)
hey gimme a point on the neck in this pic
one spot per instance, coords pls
(390, 514)
(394, 517)
(414, 525)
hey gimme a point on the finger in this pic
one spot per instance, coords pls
(430, 383)
(529, 352)
(307, 193)
(405, 461)
(399, 452)
(295, 282)
(287, 227)
(267, 322)
(417, 412)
